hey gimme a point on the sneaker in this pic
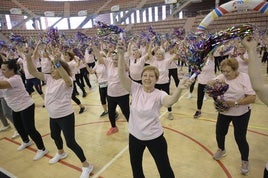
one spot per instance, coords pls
(219, 154)
(58, 157)
(4, 128)
(116, 115)
(197, 114)
(190, 96)
(205, 98)
(170, 116)
(83, 109)
(84, 94)
(104, 113)
(40, 154)
(24, 145)
(15, 135)
(112, 130)
(86, 171)
(244, 167)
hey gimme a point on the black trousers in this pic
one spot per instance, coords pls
(158, 149)
(165, 87)
(200, 95)
(240, 124)
(66, 125)
(123, 102)
(24, 123)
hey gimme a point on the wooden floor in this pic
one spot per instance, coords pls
(191, 144)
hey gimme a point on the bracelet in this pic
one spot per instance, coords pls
(236, 104)
(57, 65)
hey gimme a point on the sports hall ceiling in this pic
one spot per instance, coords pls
(38, 7)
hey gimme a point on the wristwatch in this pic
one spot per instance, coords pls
(57, 65)
(236, 103)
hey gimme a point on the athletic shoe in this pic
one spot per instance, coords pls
(83, 109)
(57, 158)
(112, 130)
(84, 94)
(4, 128)
(15, 135)
(219, 154)
(170, 116)
(197, 114)
(190, 96)
(244, 167)
(24, 145)
(40, 154)
(86, 171)
(104, 113)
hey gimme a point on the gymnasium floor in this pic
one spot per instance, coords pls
(191, 143)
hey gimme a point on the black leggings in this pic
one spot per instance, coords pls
(158, 149)
(123, 102)
(174, 74)
(84, 75)
(66, 125)
(164, 87)
(74, 98)
(36, 83)
(103, 95)
(25, 125)
(265, 173)
(200, 95)
(240, 124)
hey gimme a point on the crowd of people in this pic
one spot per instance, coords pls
(136, 76)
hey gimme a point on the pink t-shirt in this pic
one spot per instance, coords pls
(24, 64)
(163, 66)
(243, 66)
(58, 97)
(135, 68)
(115, 88)
(89, 58)
(207, 73)
(144, 122)
(238, 88)
(73, 67)
(101, 72)
(46, 65)
(17, 97)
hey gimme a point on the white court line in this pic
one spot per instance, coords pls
(124, 149)
(110, 162)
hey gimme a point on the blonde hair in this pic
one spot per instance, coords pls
(232, 62)
(151, 68)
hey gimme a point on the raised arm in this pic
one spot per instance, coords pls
(125, 81)
(31, 68)
(62, 72)
(254, 71)
(169, 100)
(97, 53)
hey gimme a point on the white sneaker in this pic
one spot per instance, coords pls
(170, 116)
(205, 98)
(190, 96)
(39, 154)
(58, 157)
(4, 128)
(24, 145)
(86, 171)
(15, 135)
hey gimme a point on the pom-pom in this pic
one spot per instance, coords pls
(78, 53)
(216, 90)
(18, 39)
